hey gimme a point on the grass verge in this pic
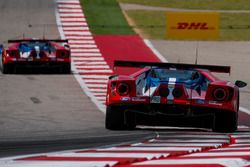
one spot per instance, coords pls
(195, 4)
(153, 23)
(105, 17)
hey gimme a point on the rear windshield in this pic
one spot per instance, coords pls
(26, 46)
(166, 74)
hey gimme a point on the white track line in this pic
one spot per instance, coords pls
(230, 149)
(81, 42)
(245, 110)
(76, 28)
(79, 37)
(77, 32)
(69, 6)
(155, 51)
(194, 141)
(58, 163)
(107, 154)
(95, 76)
(83, 49)
(95, 67)
(190, 149)
(181, 145)
(74, 24)
(218, 154)
(232, 162)
(70, 10)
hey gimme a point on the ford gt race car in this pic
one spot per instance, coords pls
(169, 94)
(36, 53)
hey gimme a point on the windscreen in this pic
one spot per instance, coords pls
(28, 46)
(190, 79)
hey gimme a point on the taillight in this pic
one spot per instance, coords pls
(13, 53)
(122, 89)
(62, 54)
(219, 94)
(177, 92)
(163, 91)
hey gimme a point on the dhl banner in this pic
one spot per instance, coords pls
(192, 25)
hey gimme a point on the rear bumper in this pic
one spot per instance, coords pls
(172, 109)
(36, 64)
(187, 104)
(172, 115)
(38, 67)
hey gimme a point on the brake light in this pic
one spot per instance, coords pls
(219, 94)
(63, 54)
(177, 92)
(122, 89)
(163, 91)
(13, 53)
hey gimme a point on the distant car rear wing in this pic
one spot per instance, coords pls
(212, 68)
(38, 40)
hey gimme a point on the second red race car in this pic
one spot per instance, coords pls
(174, 95)
(36, 53)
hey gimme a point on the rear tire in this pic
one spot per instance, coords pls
(7, 68)
(66, 69)
(226, 121)
(116, 119)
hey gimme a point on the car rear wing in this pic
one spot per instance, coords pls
(38, 40)
(212, 68)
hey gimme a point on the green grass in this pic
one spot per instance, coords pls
(153, 24)
(235, 27)
(196, 4)
(105, 17)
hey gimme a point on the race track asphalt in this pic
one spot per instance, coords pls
(41, 112)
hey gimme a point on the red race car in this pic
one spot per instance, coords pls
(36, 53)
(169, 94)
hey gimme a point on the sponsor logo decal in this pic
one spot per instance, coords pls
(215, 103)
(125, 98)
(59, 59)
(138, 99)
(193, 26)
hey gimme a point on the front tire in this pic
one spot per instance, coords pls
(225, 121)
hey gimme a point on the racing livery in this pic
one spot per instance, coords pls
(172, 94)
(36, 53)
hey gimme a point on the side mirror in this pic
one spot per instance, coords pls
(240, 84)
(66, 46)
